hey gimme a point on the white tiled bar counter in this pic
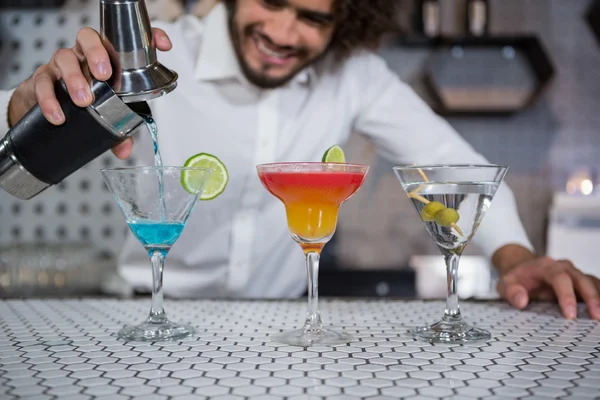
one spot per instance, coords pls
(67, 349)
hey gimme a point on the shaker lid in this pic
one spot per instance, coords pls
(144, 84)
(127, 36)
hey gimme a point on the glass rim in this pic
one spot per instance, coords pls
(311, 164)
(149, 168)
(448, 166)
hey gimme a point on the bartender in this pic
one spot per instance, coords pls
(282, 80)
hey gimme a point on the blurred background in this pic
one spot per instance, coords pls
(517, 78)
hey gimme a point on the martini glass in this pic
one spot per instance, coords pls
(452, 201)
(312, 194)
(156, 207)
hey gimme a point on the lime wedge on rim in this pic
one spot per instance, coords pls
(334, 154)
(217, 181)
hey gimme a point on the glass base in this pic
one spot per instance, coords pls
(156, 332)
(455, 332)
(312, 337)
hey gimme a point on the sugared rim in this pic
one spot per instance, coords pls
(309, 164)
(149, 168)
(439, 166)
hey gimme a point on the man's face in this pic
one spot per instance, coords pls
(275, 39)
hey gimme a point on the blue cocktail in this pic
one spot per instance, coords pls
(156, 204)
(156, 235)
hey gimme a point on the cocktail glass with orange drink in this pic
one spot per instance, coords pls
(312, 194)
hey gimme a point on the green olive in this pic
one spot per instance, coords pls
(447, 217)
(430, 210)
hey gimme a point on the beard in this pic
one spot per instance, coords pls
(260, 77)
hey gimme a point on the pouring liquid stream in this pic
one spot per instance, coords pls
(153, 129)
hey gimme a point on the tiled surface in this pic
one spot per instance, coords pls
(68, 350)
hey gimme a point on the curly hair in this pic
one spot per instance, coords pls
(362, 24)
(359, 24)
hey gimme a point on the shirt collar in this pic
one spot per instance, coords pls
(216, 57)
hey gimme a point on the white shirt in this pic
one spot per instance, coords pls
(238, 244)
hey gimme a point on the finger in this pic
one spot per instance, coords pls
(589, 294)
(123, 149)
(561, 282)
(514, 293)
(43, 83)
(89, 47)
(595, 281)
(161, 39)
(66, 63)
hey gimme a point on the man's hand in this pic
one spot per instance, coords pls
(525, 277)
(65, 64)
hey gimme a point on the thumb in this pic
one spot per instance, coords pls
(161, 39)
(123, 149)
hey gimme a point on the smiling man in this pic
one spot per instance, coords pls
(282, 80)
(272, 47)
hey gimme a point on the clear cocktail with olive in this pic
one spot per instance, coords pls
(451, 200)
(452, 211)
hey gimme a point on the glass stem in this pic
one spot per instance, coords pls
(313, 318)
(452, 311)
(157, 313)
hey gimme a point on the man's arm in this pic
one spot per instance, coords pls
(405, 130)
